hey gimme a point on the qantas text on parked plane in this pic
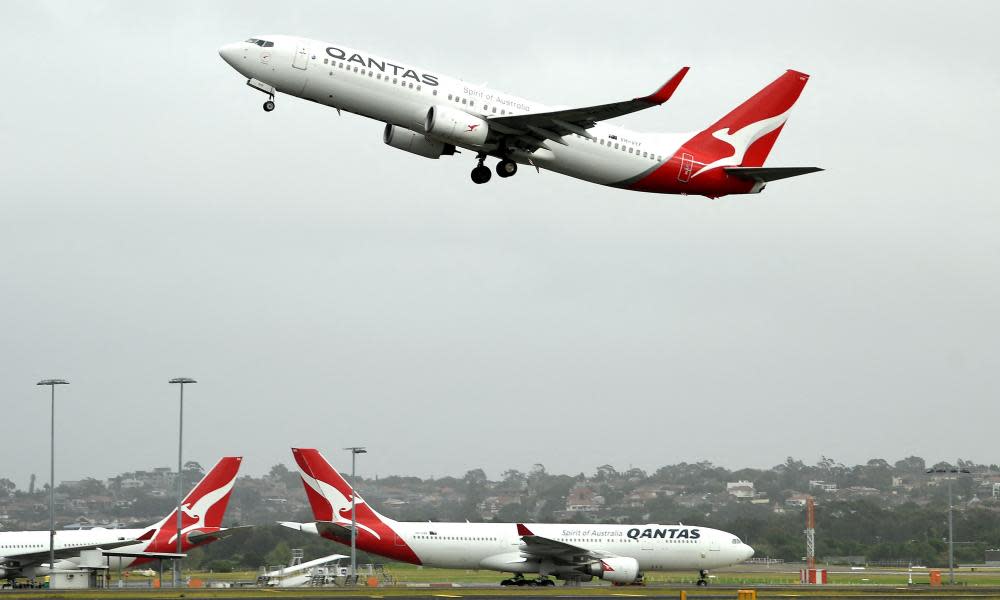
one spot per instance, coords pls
(617, 553)
(26, 553)
(431, 115)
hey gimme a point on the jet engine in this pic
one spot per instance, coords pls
(417, 143)
(456, 126)
(619, 569)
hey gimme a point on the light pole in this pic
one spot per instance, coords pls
(52, 383)
(355, 451)
(180, 480)
(951, 531)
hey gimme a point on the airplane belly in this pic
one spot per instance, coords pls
(582, 160)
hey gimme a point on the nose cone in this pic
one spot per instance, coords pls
(230, 53)
(746, 551)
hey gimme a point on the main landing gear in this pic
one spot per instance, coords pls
(506, 168)
(519, 580)
(481, 174)
(269, 106)
(703, 577)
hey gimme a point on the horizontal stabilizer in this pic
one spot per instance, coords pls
(197, 537)
(765, 174)
(159, 555)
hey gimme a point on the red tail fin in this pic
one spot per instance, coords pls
(746, 135)
(203, 508)
(205, 505)
(330, 497)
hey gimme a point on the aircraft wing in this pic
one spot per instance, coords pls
(534, 128)
(42, 556)
(538, 546)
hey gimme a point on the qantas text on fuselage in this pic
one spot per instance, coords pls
(432, 115)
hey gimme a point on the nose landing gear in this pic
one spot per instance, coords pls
(703, 578)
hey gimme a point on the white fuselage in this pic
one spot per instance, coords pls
(493, 546)
(15, 544)
(496, 546)
(401, 94)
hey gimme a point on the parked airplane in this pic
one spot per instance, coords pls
(616, 553)
(431, 115)
(26, 553)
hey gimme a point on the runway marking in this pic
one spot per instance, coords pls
(445, 596)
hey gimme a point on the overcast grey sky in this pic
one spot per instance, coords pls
(327, 290)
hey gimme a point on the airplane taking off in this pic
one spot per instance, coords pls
(432, 115)
(26, 553)
(616, 553)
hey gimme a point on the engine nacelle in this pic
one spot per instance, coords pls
(619, 569)
(456, 126)
(417, 143)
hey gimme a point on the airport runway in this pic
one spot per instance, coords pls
(495, 593)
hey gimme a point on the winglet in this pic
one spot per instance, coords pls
(667, 90)
(522, 530)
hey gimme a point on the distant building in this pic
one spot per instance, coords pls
(797, 500)
(822, 485)
(740, 489)
(583, 499)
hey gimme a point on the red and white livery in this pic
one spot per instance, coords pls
(616, 553)
(431, 115)
(26, 553)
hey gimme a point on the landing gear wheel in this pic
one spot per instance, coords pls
(481, 174)
(506, 168)
(269, 106)
(703, 578)
(507, 582)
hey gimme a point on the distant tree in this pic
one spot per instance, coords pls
(911, 465)
(606, 473)
(7, 488)
(280, 555)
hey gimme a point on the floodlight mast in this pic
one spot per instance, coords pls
(956, 472)
(52, 383)
(355, 451)
(180, 480)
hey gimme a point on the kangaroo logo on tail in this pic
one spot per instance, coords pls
(330, 498)
(203, 508)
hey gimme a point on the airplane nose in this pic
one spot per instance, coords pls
(229, 53)
(747, 552)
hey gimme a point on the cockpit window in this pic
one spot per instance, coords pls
(268, 44)
(737, 541)
(252, 41)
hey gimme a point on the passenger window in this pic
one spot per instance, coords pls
(435, 92)
(464, 101)
(418, 88)
(616, 145)
(631, 149)
(644, 154)
(503, 112)
(449, 96)
(394, 81)
(494, 110)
